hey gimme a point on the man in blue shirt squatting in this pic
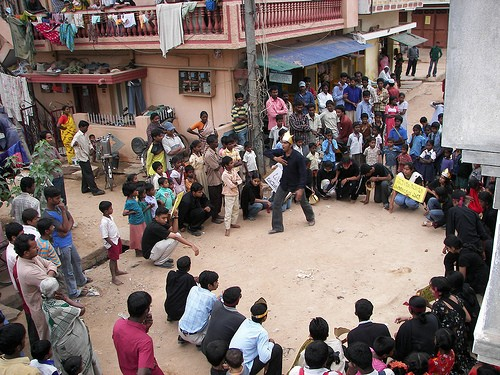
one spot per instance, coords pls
(258, 349)
(292, 181)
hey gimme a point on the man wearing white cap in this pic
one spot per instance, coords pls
(171, 143)
(304, 96)
(293, 181)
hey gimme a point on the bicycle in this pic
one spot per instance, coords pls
(104, 154)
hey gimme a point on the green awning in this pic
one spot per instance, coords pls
(408, 39)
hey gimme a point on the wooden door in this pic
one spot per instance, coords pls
(86, 100)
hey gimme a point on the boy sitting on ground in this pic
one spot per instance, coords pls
(179, 283)
(316, 356)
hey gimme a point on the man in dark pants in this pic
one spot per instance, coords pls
(194, 209)
(214, 180)
(82, 147)
(293, 180)
(346, 180)
(413, 55)
(381, 176)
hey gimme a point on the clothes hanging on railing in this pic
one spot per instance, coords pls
(23, 39)
(14, 94)
(135, 96)
(67, 33)
(188, 7)
(128, 20)
(78, 20)
(170, 31)
(93, 33)
(49, 32)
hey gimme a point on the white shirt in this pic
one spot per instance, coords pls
(253, 340)
(329, 120)
(403, 106)
(11, 257)
(169, 144)
(333, 343)
(109, 230)
(251, 160)
(273, 134)
(322, 99)
(355, 144)
(155, 179)
(82, 150)
(29, 229)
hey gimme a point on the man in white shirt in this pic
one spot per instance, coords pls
(253, 340)
(172, 144)
(12, 230)
(323, 97)
(82, 147)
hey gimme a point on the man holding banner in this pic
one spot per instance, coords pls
(408, 191)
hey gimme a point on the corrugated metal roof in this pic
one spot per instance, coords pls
(408, 39)
(310, 53)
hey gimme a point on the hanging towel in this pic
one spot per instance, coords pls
(188, 6)
(67, 35)
(95, 19)
(22, 37)
(14, 94)
(128, 20)
(78, 18)
(48, 32)
(169, 26)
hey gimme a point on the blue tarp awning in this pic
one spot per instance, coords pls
(310, 53)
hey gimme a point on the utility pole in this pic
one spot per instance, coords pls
(254, 120)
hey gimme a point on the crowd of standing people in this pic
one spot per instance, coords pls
(349, 140)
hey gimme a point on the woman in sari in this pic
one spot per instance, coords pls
(66, 125)
(68, 333)
(204, 128)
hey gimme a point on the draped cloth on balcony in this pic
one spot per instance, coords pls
(15, 93)
(170, 29)
(22, 37)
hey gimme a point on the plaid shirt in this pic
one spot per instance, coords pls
(299, 127)
(22, 202)
(199, 305)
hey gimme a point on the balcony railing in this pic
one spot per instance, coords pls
(290, 13)
(112, 23)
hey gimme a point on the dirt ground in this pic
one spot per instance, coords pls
(353, 251)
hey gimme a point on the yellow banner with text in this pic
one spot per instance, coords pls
(409, 189)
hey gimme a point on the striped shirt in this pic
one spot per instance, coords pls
(239, 111)
(47, 251)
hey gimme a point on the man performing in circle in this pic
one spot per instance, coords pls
(292, 181)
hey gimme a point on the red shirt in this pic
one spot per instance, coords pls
(134, 348)
(345, 129)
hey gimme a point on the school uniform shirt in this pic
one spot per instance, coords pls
(152, 200)
(355, 144)
(426, 153)
(417, 144)
(199, 305)
(402, 106)
(253, 340)
(251, 161)
(109, 230)
(155, 179)
(396, 133)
